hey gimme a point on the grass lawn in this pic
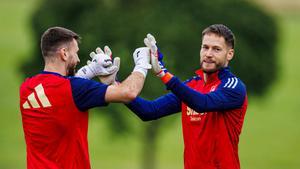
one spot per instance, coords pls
(271, 133)
(14, 45)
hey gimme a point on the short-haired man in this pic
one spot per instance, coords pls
(54, 103)
(213, 103)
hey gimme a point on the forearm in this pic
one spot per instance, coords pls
(127, 90)
(144, 109)
(134, 84)
(194, 99)
(221, 99)
(152, 110)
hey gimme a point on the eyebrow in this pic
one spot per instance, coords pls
(211, 45)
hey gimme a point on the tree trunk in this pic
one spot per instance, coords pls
(149, 145)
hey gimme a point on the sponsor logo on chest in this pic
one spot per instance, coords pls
(193, 115)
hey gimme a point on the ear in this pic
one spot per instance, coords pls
(63, 54)
(230, 54)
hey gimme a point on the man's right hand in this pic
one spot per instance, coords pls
(101, 64)
(112, 78)
(141, 57)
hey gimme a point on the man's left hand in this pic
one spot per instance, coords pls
(156, 56)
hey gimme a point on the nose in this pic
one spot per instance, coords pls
(209, 53)
(78, 60)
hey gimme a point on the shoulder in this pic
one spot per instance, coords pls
(74, 79)
(87, 93)
(45, 79)
(232, 83)
(81, 83)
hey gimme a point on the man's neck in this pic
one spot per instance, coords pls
(57, 68)
(206, 76)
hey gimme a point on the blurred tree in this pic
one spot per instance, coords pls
(177, 25)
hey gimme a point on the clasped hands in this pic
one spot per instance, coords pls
(106, 69)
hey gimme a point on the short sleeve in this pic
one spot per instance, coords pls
(88, 93)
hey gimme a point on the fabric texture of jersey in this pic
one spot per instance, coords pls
(211, 138)
(55, 119)
(212, 117)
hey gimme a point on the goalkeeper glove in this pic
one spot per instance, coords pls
(141, 57)
(101, 64)
(156, 59)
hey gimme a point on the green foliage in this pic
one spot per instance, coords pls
(265, 129)
(177, 25)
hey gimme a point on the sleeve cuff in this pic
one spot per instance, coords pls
(166, 78)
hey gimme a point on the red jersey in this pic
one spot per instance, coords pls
(212, 117)
(54, 126)
(211, 138)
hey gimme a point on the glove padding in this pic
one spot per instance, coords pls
(101, 64)
(111, 79)
(141, 57)
(156, 57)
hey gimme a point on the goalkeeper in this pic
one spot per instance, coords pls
(213, 103)
(54, 104)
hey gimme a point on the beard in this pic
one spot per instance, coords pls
(71, 70)
(217, 67)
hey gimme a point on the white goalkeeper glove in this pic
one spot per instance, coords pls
(156, 57)
(100, 65)
(141, 57)
(111, 79)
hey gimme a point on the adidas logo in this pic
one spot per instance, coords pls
(32, 102)
(231, 83)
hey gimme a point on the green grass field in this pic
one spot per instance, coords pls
(14, 45)
(271, 133)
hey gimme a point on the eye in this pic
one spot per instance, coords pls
(217, 49)
(204, 47)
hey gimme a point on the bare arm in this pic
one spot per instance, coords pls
(130, 88)
(126, 91)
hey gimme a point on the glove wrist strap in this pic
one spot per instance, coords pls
(141, 70)
(85, 72)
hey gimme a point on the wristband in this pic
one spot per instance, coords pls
(166, 78)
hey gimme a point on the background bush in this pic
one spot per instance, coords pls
(177, 26)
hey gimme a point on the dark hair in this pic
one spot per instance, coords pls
(221, 30)
(54, 37)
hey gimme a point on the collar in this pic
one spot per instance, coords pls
(213, 76)
(53, 73)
